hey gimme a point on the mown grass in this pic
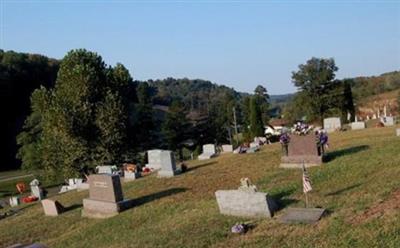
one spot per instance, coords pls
(362, 173)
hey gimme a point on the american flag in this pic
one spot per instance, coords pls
(306, 181)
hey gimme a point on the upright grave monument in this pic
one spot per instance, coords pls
(52, 208)
(301, 149)
(357, 125)
(227, 148)
(332, 124)
(387, 121)
(208, 152)
(168, 166)
(154, 159)
(105, 197)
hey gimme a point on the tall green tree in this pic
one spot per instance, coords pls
(174, 126)
(256, 124)
(316, 80)
(30, 139)
(262, 98)
(84, 123)
(144, 117)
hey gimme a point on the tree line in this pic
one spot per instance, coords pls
(97, 114)
(93, 113)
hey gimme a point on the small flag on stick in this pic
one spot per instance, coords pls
(306, 181)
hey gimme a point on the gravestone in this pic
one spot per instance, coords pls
(168, 166)
(36, 190)
(301, 149)
(74, 183)
(227, 148)
(398, 131)
(105, 197)
(332, 124)
(208, 152)
(387, 121)
(302, 215)
(154, 159)
(131, 175)
(52, 208)
(245, 202)
(14, 201)
(357, 125)
(104, 169)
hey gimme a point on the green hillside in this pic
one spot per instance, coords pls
(359, 186)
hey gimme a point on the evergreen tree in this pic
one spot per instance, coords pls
(256, 124)
(30, 140)
(175, 125)
(262, 99)
(144, 122)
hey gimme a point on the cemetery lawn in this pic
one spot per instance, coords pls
(359, 186)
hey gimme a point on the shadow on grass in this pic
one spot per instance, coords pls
(344, 152)
(338, 192)
(155, 196)
(200, 166)
(72, 207)
(280, 199)
(5, 193)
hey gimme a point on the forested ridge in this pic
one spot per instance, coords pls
(156, 110)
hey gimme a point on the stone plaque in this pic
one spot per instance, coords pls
(398, 131)
(302, 215)
(105, 187)
(245, 204)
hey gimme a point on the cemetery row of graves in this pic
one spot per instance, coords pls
(281, 185)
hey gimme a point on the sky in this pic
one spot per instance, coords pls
(240, 44)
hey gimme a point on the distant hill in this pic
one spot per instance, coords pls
(20, 74)
(363, 87)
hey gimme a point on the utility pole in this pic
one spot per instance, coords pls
(235, 123)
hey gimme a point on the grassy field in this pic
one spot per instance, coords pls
(359, 185)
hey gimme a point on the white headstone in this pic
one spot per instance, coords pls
(387, 121)
(398, 131)
(14, 201)
(208, 152)
(227, 148)
(131, 175)
(104, 169)
(154, 159)
(357, 125)
(332, 124)
(168, 166)
(209, 149)
(36, 189)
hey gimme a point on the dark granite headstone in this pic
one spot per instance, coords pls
(302, 215)
(302, 149)
(105, 197)
(105, 188)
